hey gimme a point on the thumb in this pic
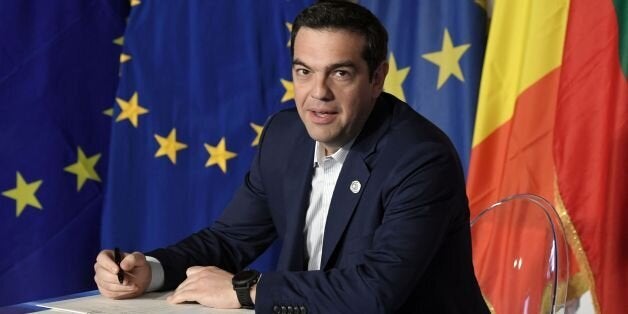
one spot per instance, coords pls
(132, 260)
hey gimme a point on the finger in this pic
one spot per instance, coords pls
(193, 270)
(105, 259)
(181, 296)
(114, 288)
(119, 295)
(186, 284)
(105, 275)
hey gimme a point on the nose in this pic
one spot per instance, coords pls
(321, 90)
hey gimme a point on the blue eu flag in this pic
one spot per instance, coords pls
(58, 74)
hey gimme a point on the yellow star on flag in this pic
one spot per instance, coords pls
(169, 146)
(108, 112)
(448, 60)
(395, 78)
(119, 41)
(24, 194)
(289, 87)
(135, 2)
(124, 57)
(131, 109)
(83, 168)
(289, 27)
(258, 131)
(218, 155)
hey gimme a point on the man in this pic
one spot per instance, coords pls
(366, 196)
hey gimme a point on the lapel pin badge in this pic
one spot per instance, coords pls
(355, 186)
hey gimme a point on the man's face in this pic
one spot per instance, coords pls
(331, 84)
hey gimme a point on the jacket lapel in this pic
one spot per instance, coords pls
(297, 194)
(355, 169)
(343, 203)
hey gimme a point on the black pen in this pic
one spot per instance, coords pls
(118, 258)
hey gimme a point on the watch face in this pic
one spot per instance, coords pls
(245, 276)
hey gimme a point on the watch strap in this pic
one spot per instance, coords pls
(243, 288)
(244, 297)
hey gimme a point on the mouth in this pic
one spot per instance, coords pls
(322, 116)
(323, 113)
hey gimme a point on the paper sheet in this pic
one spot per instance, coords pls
(148, 303)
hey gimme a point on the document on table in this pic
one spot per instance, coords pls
(149, 303)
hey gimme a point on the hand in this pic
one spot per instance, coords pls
(137, 275)
(209, 286)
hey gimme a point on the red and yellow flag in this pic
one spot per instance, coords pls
(553, 120)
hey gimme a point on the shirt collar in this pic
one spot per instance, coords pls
(339, 156)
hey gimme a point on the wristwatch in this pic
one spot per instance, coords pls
(242, 283)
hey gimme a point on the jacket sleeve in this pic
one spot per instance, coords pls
(242, 233)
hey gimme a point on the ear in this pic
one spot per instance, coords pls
(377, 83)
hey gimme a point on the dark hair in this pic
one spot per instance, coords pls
(347, 16)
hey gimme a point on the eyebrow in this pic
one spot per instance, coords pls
(342, 64)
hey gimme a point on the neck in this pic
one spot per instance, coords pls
(330, 150)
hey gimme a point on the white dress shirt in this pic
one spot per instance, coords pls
(326, 172)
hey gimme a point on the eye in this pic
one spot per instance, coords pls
(302, 71)
(341, 74)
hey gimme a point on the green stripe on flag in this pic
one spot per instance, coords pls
(621, 8)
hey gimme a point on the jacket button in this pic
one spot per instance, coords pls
(303, 309)
(284, 310)
(276, 309)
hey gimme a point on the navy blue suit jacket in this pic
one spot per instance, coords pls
(399, 245)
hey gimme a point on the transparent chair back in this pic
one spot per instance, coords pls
(520, 256)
